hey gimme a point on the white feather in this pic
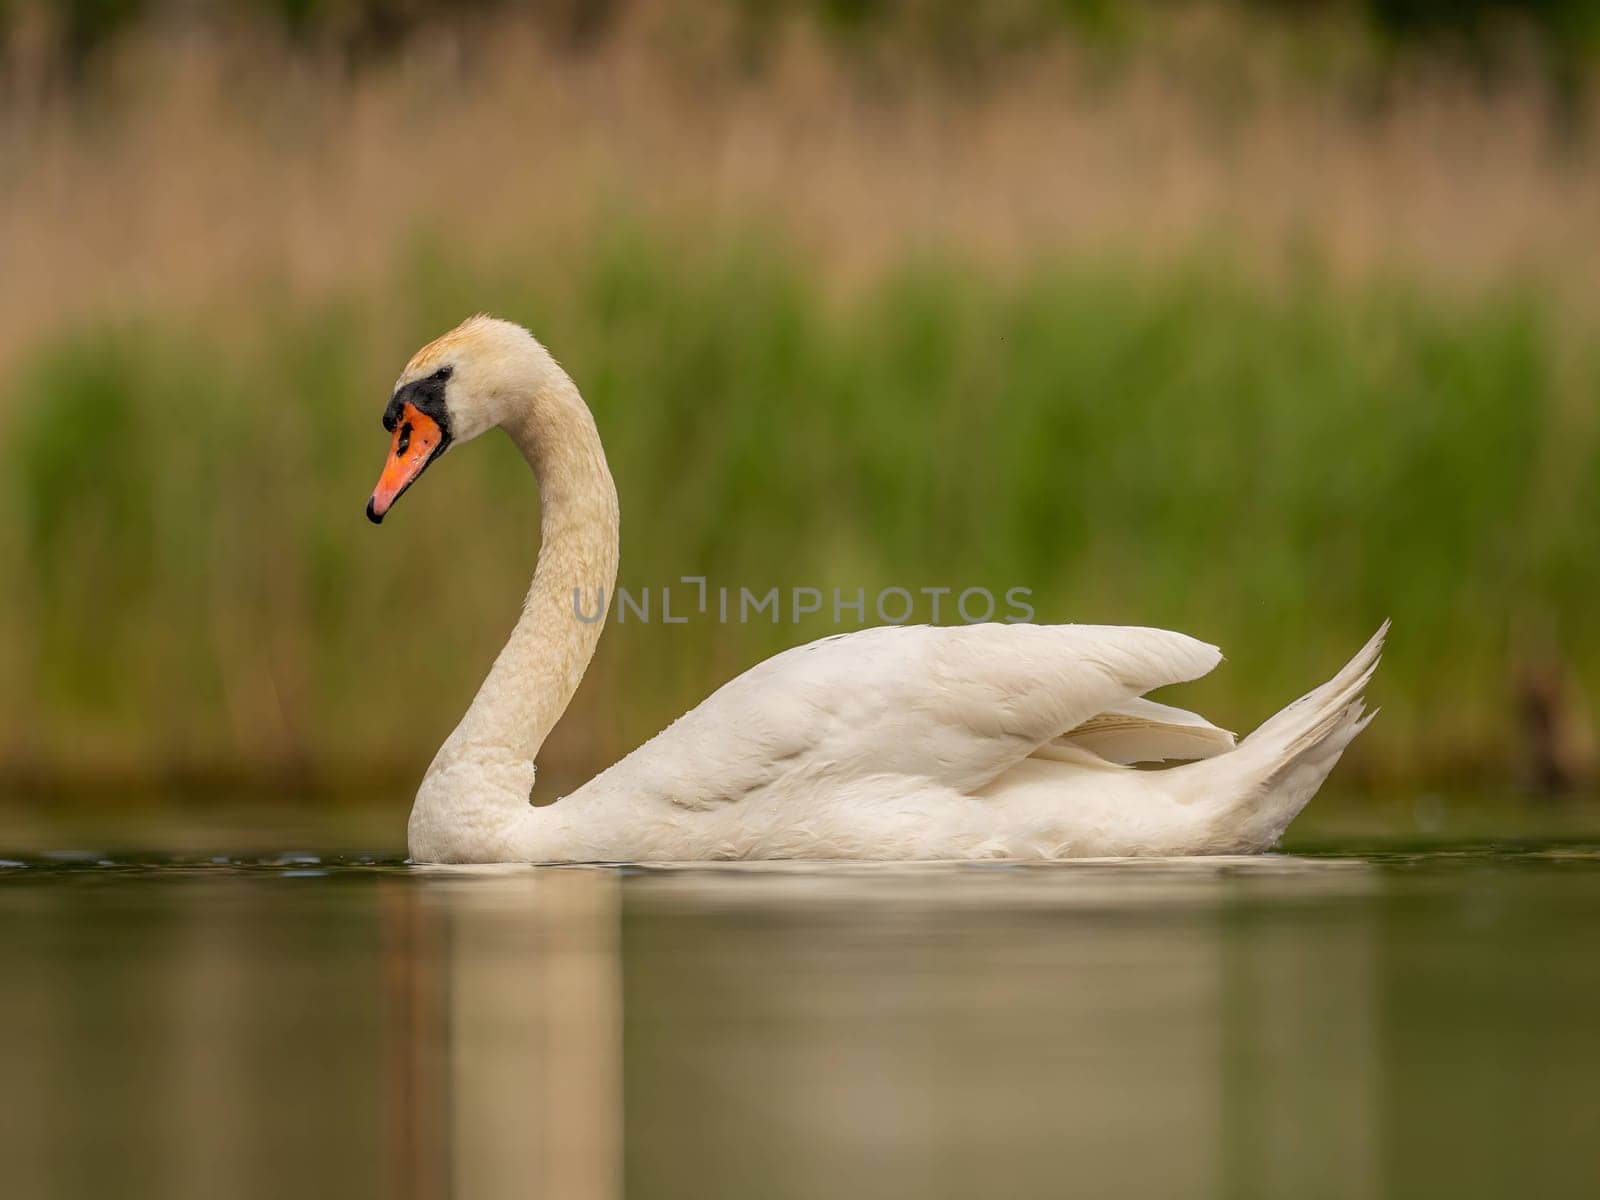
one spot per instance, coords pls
(893, 743)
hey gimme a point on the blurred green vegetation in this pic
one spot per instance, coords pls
(1274, 466)
(1563, 33)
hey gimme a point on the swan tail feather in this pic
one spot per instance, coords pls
(1259, 787)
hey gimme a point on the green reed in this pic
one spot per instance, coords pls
(1274, 467)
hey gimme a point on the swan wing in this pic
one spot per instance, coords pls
(1142, 731)
(952, 706)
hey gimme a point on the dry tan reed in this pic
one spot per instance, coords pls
(205, 166)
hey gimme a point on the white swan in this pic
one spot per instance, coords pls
(917, 742)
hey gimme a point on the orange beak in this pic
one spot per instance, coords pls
(417, 440)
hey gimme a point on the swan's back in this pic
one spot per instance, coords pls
(912, 720)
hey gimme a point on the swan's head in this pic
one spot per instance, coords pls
(453, 389)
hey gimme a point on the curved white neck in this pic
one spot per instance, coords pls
(479, 783)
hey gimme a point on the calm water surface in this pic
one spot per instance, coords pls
(1363, 1023)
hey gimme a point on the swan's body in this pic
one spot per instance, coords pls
(981, 741)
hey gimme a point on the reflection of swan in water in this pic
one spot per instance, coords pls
(503, 1020)
(980, 741)
(914, 1025)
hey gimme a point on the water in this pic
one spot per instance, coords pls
(1348, 1024)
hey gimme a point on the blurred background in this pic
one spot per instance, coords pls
(1261, 321)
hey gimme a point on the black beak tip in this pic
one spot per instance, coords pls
(373, 514)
